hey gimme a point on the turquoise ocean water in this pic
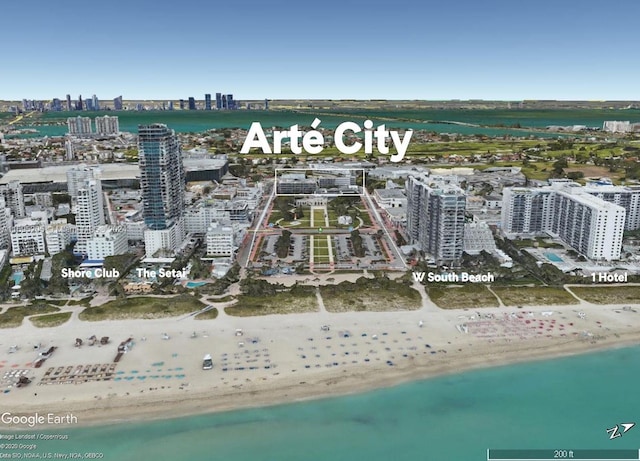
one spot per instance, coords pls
(563, 403)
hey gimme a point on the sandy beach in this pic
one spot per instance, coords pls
(282, 358)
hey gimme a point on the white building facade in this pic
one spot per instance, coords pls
(5, 230)
(27, 239)
(107, 241)
(220, 240)
(436, 217)
(79, 126)
(107, 125)
(89, 213)
(59, 236)
(590, 225)
(164, 240)
(14, 198)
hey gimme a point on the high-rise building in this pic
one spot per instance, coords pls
(170, 104)
(77, 177)
(590, 225)
(79, 104)
(182, 104)
(628, 197)
(207, 101)
(162, 180)
(5, 232)
(79, 125)
(218, 101)
(107, 125)
(616, 126)
(266, 104)
(89, 213)
(435, 217)
(117, 103)
(192, 103)
(56, 105)
(230, 102)
(69, 108)
(69, 152)
(96, 103)
(13, 198)
(527, 211)
(162, 176)
(89, 104)
(224, 101)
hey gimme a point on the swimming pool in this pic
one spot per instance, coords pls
(17, 277)
(195, 284)
(554, 258)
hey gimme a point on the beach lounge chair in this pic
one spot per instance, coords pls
(23, 381)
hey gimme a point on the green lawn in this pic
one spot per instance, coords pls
(320, 249)
(208, 315)
(364, 215)
(373, 295)
(530, 243)
(57, 302)
(224, 299)
(50, 320)
(142, 308)
(13, 316)
(81, 302)
(461, 296)
(532, 296)
(318, 218)
(280, 303)
(608, 295)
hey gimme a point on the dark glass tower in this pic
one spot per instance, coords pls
(162, 176)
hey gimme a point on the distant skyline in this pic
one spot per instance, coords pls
(411, 49)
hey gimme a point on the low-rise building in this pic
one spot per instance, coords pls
(59, 235)
(165, 241)
(107, 241)
(295, 183)
(220, 240)
(197, 220)
(390, 198)
(27, 238)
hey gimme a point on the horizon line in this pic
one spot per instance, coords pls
(356, 99)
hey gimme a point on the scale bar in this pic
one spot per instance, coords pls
(563, 454)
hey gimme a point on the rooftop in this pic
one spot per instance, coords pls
(108, 171)
(390, 193)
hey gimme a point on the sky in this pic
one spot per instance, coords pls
(335, 49)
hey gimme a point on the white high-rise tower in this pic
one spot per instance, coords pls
(89, 212)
